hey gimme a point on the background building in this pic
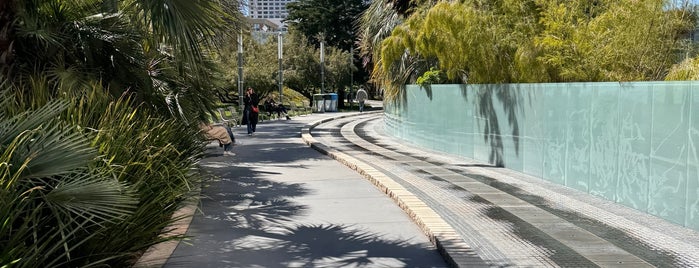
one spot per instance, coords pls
(271, 10)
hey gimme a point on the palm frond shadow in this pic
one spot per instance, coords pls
(249, 221)
(489, 99)
(251, 201)
(326, 245)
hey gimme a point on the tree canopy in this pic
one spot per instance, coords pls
(507, 41)
(333, 19)
(300, 65)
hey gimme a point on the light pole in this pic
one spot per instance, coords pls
(240, 70)
(322, 67)
(350, 67)
(279, 50)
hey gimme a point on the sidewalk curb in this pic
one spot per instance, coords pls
(157, 255)
(448, 242)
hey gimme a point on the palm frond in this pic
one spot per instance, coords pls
(91, 198)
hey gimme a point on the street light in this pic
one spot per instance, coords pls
(279, 50)
(322, 67)
(240, 70)
(349, 95)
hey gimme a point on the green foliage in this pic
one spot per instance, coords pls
(301, 65)
(433, 76)
(612, 40)
(338, 65)
(335, 19)
(95, 149)
(685, 70)
(153, 50)
(81, 172)
(261, 67)
(53, 198)
(507, 41)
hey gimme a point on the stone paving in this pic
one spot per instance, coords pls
(508, 218)
(278, 203)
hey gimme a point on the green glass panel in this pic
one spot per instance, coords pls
(465, 130)
(692, 212)
(445, 96)
(555, 132)
(509, 113)
(577, 171)
(454, 96)
(604, 132)
(634, 145)
(668, 165)
(533, 129)
(483, 122)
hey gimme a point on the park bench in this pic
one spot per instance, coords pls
(229, 116)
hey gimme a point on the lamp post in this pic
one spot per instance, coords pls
(279, 53)
(350, 67)
(322, 67)
(349, 94)
(240, 70)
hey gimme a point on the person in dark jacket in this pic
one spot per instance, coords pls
(251, 111)
(272, 107)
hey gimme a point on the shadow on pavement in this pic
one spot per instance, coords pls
(247, 220)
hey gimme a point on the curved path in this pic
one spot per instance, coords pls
(279, 203)
(479, 215)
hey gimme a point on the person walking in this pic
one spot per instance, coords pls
(361, 97)
(251, 111)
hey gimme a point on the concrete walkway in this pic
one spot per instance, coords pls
(279, 203)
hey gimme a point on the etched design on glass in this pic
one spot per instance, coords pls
(668, 166)
(633, 143)
(578, 150)
(604, 151)
(632, 186)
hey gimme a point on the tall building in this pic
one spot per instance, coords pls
(272, 10)
(245, 7)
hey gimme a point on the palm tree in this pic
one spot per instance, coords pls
(375, 25)
(153, 50)
(49, 193)
(75, 155)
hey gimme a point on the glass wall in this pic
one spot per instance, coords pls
(632, 143)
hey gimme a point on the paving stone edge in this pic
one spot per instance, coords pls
(448, 242)
(157, 255)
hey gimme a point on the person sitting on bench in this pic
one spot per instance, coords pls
(272, 107)
(223, 134)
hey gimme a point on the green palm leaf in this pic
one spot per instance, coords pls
(86, 195)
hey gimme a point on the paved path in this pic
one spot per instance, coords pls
(279, 203)
(503, 218)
